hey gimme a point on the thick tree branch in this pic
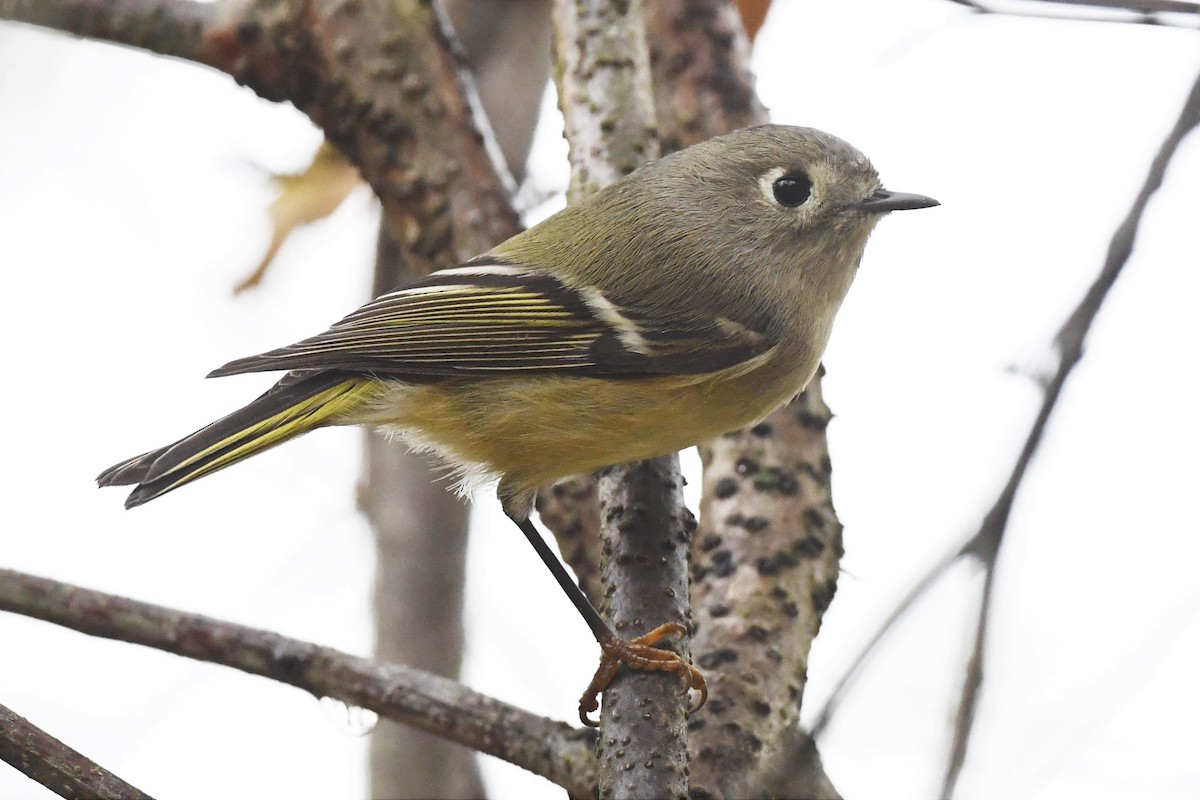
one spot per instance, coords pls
(766, 565)
(166, 27)
(381, 77)
(554, 750)
(56, 766)
(700, 59)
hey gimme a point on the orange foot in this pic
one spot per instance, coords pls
(639, 653)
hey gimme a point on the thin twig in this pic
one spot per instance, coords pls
(1158, 12)
(554, 750)
(984, 545)
(1069, 342)
(850, 675)
(56, 766)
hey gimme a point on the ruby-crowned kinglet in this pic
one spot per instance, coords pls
(688, 299)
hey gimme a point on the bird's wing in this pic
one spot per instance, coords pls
(492, 318)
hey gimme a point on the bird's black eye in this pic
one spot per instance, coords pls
(792, 189)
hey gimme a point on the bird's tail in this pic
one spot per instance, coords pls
(297, 404)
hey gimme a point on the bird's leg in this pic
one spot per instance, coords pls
(638, 653)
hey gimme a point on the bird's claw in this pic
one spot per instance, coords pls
(640, 653)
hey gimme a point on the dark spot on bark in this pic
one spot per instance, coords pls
(722, 563)
(717, 705)
(716, 658)
(726, 487)
(815, 520)
(719, 610)
(289, 664)
(811, 421)
(822, 596)
(808, 547)
(756, 524)
(249, 32)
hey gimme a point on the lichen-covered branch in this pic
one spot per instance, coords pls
(554, 750)
(766, 570)
(604, 90)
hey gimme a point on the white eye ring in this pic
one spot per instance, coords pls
(766, 183)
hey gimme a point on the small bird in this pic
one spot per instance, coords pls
(688, 299)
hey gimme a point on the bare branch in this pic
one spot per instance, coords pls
(984, 545)
(1143, 6)
(825, 715)
(167, 27)
(554, 750)
(56, 766)
(1158, 12)
(381, 77)
(646, 532)
(1069, 343)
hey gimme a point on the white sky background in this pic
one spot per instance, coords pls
(132, 198)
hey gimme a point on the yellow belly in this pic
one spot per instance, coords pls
(534, 431)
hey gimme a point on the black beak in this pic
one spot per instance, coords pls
(883, 201)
